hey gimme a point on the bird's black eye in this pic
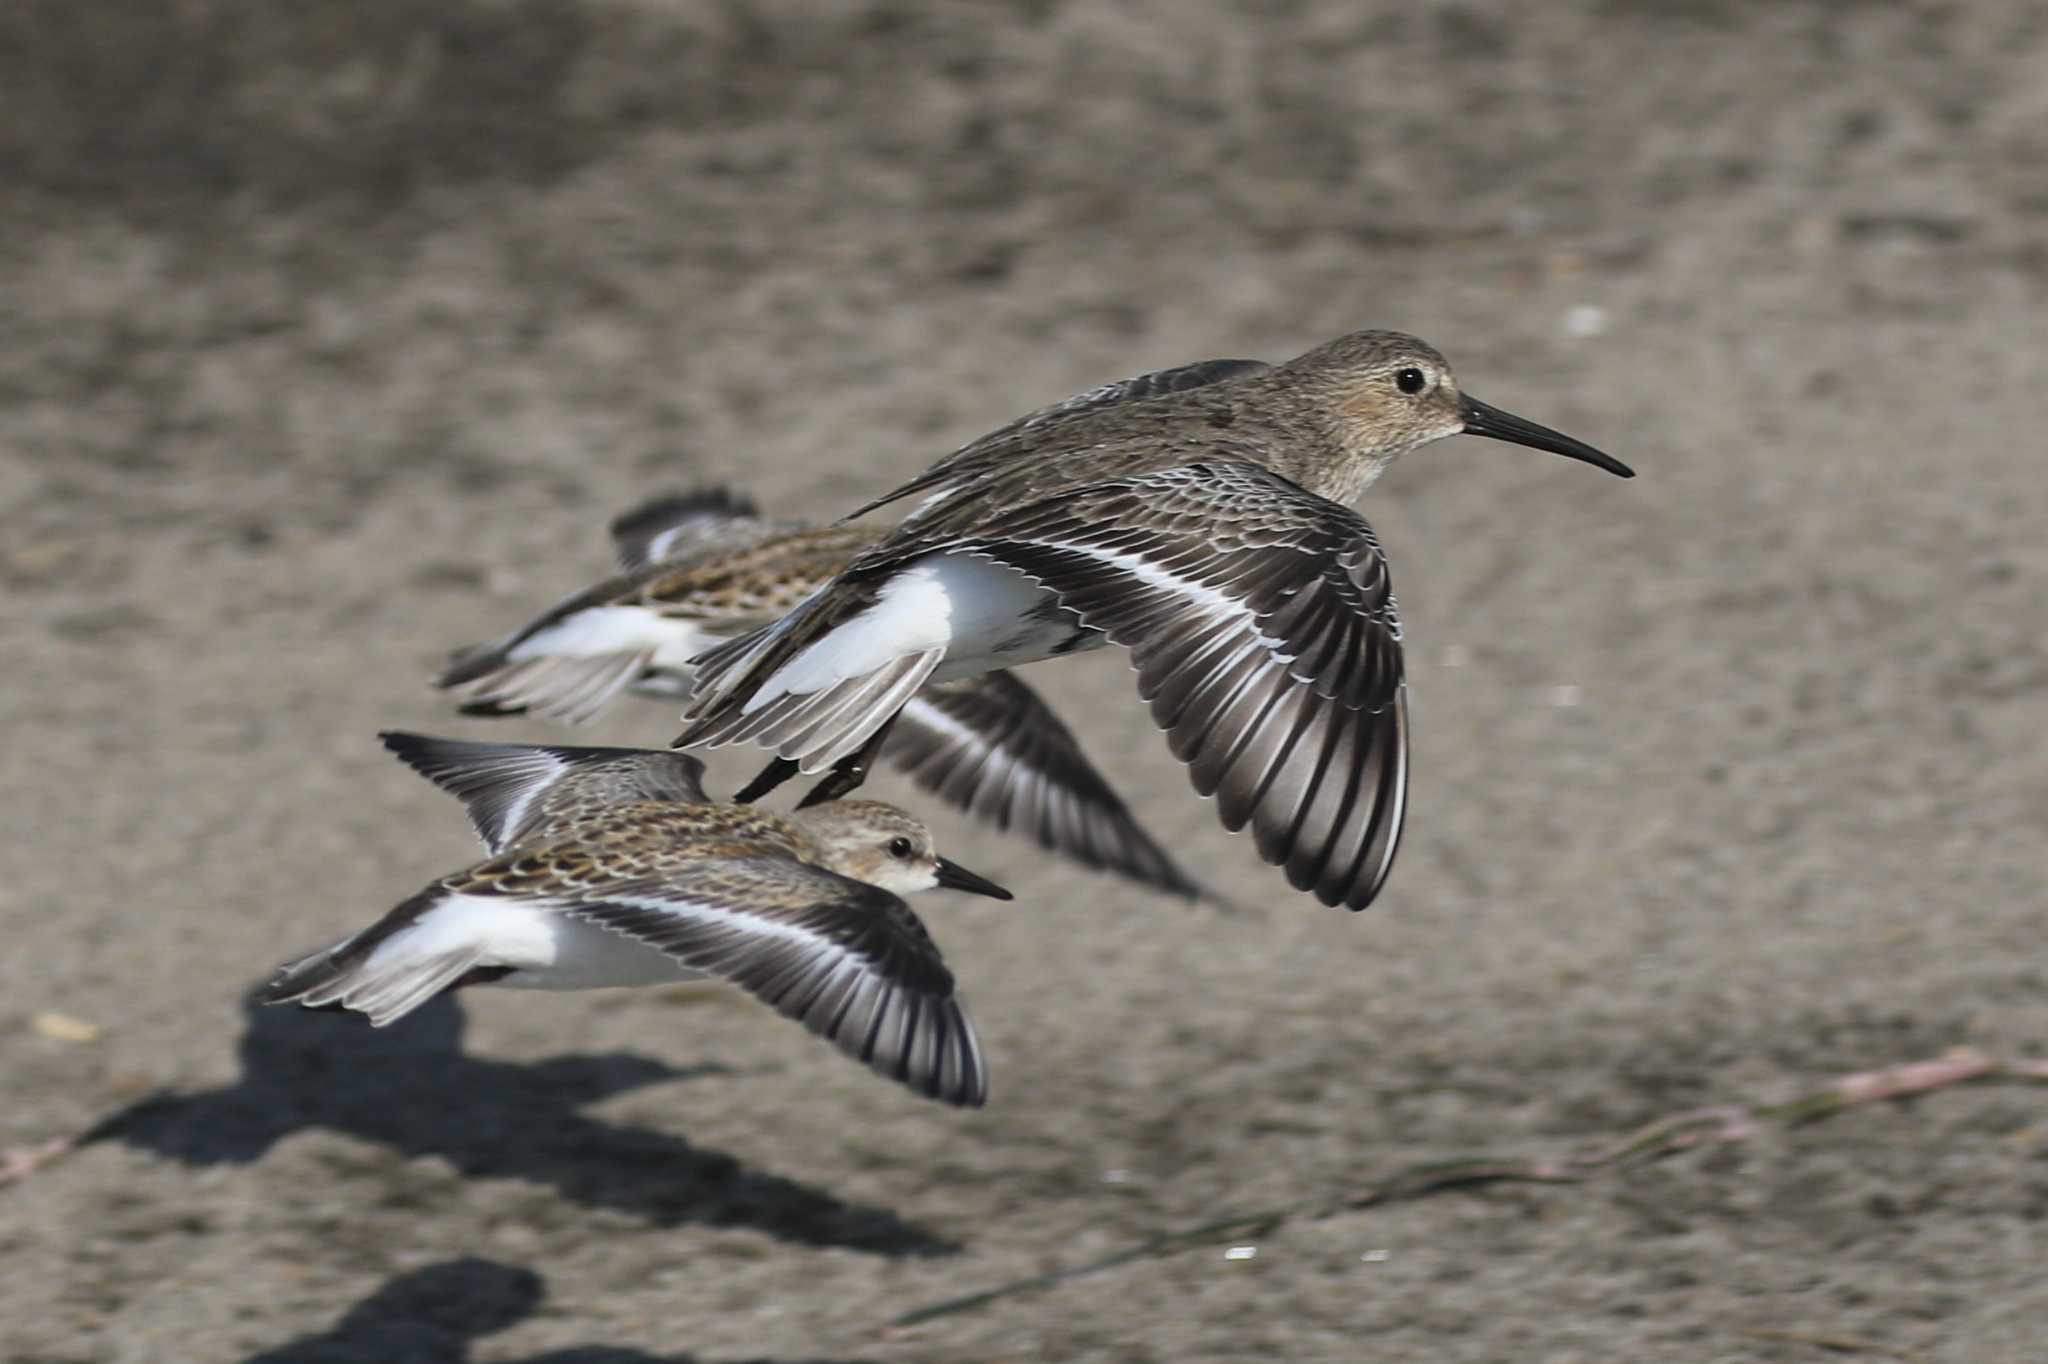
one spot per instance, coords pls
(1410, 380)
(901, 847)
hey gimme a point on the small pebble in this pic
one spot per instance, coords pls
(64, 1028)
(1585, 320)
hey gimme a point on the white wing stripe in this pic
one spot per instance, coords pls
(547, 769)
(928, 716)
(1151, 573)
(724, 917)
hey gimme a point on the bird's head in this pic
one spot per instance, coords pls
(1382, 394)
(875, 842)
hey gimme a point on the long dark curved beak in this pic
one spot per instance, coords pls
(956, 877)
(1484, 420)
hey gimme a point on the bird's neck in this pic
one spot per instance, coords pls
(1318, 449)
(1346, 480)
(1328, 468)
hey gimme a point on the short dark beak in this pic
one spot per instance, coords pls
(956, 877)
(1482, 420)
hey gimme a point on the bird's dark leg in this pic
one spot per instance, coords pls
(770, 777)
(850, 771)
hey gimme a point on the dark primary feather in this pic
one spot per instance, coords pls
(848, 960)
(990, 746)
(998, 443)
(1267, 640)
(515, 791)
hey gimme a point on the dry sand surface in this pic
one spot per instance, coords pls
(331, 334)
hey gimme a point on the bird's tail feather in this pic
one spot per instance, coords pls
(724, 668)
(816, 729)
(376, 972)
(564, 687)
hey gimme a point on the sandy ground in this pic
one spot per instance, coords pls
(331, 334)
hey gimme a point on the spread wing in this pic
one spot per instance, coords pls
(1265, 635)
(513, 791)
(673, 525)
(849, 961)
(996, 445)
(988, 745)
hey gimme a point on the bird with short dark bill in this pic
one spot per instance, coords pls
(1197, 518)
(611, 866)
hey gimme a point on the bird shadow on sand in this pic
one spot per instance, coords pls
(412, 1088)
(434, 1315)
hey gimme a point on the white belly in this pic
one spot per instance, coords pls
(590, 958)
(545, 949)
(982, 614)
(604, 630)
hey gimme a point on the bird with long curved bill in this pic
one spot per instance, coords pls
(1196, 518)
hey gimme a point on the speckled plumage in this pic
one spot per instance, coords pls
(609, 867)
(722, 571)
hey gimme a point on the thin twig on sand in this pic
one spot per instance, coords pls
(1653, 1141)
(19, 1162)
(1833, 1344)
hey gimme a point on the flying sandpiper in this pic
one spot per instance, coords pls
(610, 866)
(1200, 522)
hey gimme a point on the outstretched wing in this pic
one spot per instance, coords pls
(995, 445)
(1265, 635)
(991, 747)
(849, 961)
(673, 525)
(513, 791)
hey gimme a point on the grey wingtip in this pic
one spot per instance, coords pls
(294, 979)
(969, 1086)
(272, 990)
